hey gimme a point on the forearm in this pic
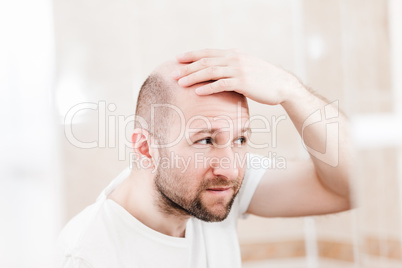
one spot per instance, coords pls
(321, 187)
(323, 129)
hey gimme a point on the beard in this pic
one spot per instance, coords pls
(174, 198)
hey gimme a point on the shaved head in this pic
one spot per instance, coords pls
(157, 89)
(184, 124)
(161, 88)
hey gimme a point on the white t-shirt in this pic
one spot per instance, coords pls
(105, 235)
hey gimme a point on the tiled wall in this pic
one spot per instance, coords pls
(340, 48)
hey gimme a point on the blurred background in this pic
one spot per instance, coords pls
(70, 72)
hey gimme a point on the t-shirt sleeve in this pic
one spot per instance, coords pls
(256, 167)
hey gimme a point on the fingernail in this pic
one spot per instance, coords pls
(175, 74)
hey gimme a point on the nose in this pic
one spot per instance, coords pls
(224, 163)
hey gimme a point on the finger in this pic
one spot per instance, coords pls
(195, 55)
(228, 84)
(198, 65)
(207, 74)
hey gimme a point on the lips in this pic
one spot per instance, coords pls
(219, 189)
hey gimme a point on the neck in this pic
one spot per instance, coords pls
(139, 196)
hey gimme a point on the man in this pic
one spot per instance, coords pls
(178, 205)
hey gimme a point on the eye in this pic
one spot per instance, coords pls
(241, 141)
(205, 141)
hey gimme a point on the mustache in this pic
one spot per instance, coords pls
(217, 182)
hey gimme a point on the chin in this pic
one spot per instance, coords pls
(220, 218)
(216, 216)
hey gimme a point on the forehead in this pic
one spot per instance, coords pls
(216, 108)
(212, 111)
(219, 104)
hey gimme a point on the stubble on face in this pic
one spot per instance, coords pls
(174, 198)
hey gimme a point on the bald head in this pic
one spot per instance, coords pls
(157, 89)
(162, 89)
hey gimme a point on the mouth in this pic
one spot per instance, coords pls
(218, 189)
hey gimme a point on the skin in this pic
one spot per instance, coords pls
(216, 109)
(309, 187)
(211, 184)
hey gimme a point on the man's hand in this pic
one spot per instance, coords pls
(316, 186)
(233, 70)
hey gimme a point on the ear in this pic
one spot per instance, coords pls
(141, 142)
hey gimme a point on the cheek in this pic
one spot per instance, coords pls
(189, 161)
(193, 177)
(192, 181)
(189, 165)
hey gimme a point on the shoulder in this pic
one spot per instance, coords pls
(71, 241)
(256, 166)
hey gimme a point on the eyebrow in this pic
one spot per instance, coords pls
(213, 130)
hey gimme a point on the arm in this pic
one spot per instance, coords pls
(316, 186)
